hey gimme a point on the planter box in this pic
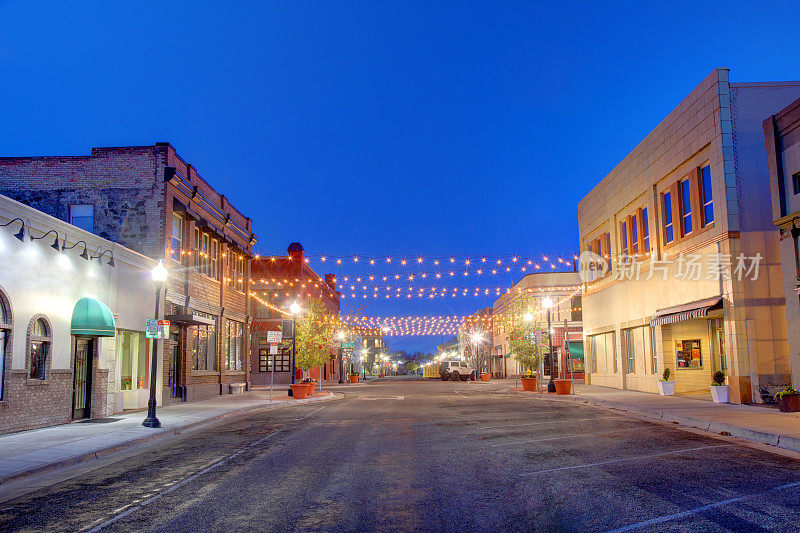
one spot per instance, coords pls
(719, 393)
(529, 384)
(354, 378)
(485, 377)
(299, 391)
(563, 386)
(666, 388)
(789, 404)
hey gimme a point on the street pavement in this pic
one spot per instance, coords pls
(406, 455)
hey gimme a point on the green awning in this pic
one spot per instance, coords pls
(576, 350)
(91, 317)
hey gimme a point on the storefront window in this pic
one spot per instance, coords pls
(132, 357)
(203, 343)
(688, 354)
(5, 328)
(39, 349)
(234, 345)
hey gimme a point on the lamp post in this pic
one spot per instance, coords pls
(547, 303)
(295, 310)
(159, 275)
(341, 336)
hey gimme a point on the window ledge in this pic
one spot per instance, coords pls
(205, 373)
(31, 381)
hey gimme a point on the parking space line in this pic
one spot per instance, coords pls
(696, 510)
(567, 437)
(515, 424)
(589, 465)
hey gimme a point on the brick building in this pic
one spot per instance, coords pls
(279, 281)
(694, 283)
(782, 135)
(150, 200)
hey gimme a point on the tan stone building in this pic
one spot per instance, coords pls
(694, 282)
(528, 293)
(782, 134)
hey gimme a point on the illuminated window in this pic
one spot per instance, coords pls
(39, 349)
(234, 345)
(634, 235)
(5, 333)
(214, 259)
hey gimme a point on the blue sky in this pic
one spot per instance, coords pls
(404, 128)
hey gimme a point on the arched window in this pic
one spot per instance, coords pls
(5, 340)
(40, 338)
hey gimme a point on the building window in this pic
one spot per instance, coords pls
(214, 258)
(688, 353)
(634, 236)
(82, 216)
(627, 341)
(796, 182)
(645, 232)
(686, 207)
(708, 198)
(203, 343)
(236, 272)
(234, 345)
(177, 236)
(132, 361)
(39, 348)
(624, 230)
(593, 352)
(5, 335)
(654, 364)
(669, 234)
(282, 360)
(205, 257)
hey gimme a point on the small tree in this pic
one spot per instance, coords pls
(524, 334)
(411, 366)
(315, 335)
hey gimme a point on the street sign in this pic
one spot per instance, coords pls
(156, 329)
(348, 345)
(274, 337)
(273, 349)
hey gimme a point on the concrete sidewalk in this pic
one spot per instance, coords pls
(763, 425)
(41, 450)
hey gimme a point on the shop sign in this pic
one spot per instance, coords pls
(274, 337)
(156, 329)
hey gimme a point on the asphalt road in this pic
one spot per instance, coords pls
(414, 456)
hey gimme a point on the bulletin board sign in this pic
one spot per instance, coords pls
(688, 353)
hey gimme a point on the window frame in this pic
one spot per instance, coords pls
(214, 258)
(72, 217)
(624, 243)
(645, 231)
(6, 337)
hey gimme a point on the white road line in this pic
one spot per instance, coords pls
(561, 421)
(589, 465)
(696, 510)
(189, 479)
(567, 437)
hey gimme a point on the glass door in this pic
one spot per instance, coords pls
(175, 365)
(81, 383)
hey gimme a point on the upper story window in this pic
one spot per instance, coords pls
(177, 236)
(214, 273)
(624, 230)
(796, 182)
(686, 206)
(82, 216)
(235, 277)
(634, 235)
(708, 199)
(645, 231)
(666, 202)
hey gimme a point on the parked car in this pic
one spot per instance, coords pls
(456, 370)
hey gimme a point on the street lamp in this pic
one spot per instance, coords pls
(295, 310)
(341, 336)
(547, 303)
(159, 276)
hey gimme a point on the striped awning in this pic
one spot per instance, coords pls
(679, 313)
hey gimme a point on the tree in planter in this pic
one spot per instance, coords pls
(524, 336)
(411, 366)
(315, 336)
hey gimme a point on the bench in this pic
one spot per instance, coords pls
(237, 388)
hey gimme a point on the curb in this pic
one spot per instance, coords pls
(139, 441)
(785, 442)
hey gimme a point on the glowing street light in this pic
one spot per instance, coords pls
(547, 303)
(295, 310)
(159, 276)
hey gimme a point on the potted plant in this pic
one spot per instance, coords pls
(311, 384)
(299, 390)
(526, 343)
(314, 339)
(788, 400)
(665, 386)
(529, 381)
(353, 378)
(485, 376)
(563, 386)
(719, 391)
